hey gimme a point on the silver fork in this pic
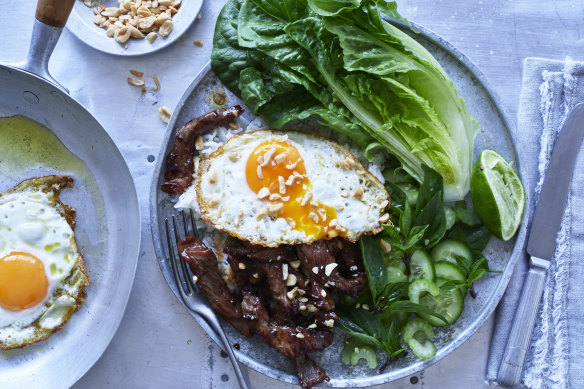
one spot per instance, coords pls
(196, 304)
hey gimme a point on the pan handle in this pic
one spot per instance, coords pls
(50, 18)
(54, 13)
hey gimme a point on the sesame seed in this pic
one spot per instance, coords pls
(302, 307)
(323, 293)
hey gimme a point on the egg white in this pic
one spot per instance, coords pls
(239, 205)
(30, 222)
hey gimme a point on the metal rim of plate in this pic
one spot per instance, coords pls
(67, 355)
(81, 24)
(490, 304)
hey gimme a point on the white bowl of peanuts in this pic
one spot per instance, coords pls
(132, 27)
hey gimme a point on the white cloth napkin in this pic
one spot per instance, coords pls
(556, 356)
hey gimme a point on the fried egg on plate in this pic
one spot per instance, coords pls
(42, 273)
(273, 187)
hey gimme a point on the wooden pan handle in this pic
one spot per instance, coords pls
(54, 12)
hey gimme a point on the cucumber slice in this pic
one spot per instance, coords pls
(398, 263)
(451, 272)
(417, 334)
(450, 217)
(396, 275)
(421, 266)
(418, 287)
(354, 351)
(449, 249)
(447, 303)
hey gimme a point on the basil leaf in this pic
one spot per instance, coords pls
(408, 306)
(476, 237)
(374, 266)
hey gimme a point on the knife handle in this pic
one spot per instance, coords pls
(514, 357)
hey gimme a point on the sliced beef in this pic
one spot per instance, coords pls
(282, 309)
(203, 263)
(243, 249)
(293, 314)
(291, 341)
(309, 373)
(179, 163)
(316, 256)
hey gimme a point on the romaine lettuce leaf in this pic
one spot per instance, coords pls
(339, 60)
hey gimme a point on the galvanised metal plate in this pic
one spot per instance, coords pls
(495, 133)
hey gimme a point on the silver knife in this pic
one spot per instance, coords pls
(542, 243)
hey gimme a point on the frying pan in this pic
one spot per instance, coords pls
(108, 216)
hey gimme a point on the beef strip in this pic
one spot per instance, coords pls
(179, 163)
(282, 309)
(309, 373)
(291, 341)
(240, 248)
(318, 255)
(203, 263)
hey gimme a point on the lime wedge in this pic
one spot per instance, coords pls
(497, 194)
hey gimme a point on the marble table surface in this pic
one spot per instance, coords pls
(158, 343)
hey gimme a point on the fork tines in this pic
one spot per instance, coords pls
(182, 274)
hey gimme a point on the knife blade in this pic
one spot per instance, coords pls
(556, 186)
(541, 245)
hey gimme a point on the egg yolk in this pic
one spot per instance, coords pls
(276, 172)
(23, 282)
